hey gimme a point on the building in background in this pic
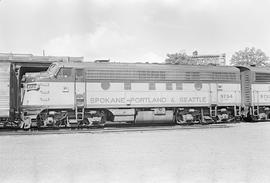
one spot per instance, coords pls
(15, 57)
(208, 59)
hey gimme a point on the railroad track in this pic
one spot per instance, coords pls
(109, 129)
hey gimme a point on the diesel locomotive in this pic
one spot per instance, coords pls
(83, 94)
(86, 94)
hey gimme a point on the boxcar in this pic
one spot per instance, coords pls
(74, 94)
(7, 93)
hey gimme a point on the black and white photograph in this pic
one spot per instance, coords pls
(134, 91)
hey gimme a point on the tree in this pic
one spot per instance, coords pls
(250, 56)
(179, 58)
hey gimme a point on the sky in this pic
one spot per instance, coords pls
(133, 30)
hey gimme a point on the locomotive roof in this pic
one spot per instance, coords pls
(150, 66)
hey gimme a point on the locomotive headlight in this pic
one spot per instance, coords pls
(32, 86)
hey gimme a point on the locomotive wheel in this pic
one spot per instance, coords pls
(237, 119)
(84, 123)
(179, 118)
(248, 118)
(40, 120)
(61, 123)
(103, 118)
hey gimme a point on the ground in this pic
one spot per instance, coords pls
(240, 153)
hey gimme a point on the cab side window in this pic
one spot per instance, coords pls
(64, 73)
(79, 73)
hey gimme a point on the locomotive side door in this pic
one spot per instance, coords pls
(80, 88)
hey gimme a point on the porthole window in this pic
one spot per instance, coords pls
(105, 85)
(198, 86)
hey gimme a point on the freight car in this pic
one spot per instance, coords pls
(7, 94)
(86, 94)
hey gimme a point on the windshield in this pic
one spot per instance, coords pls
(52, 69)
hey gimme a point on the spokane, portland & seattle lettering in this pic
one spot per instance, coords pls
(123, 100)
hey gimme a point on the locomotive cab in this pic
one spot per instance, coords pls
(33, 82)
(35, 93)
(56, 97)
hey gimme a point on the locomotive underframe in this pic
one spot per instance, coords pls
(64, 118)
